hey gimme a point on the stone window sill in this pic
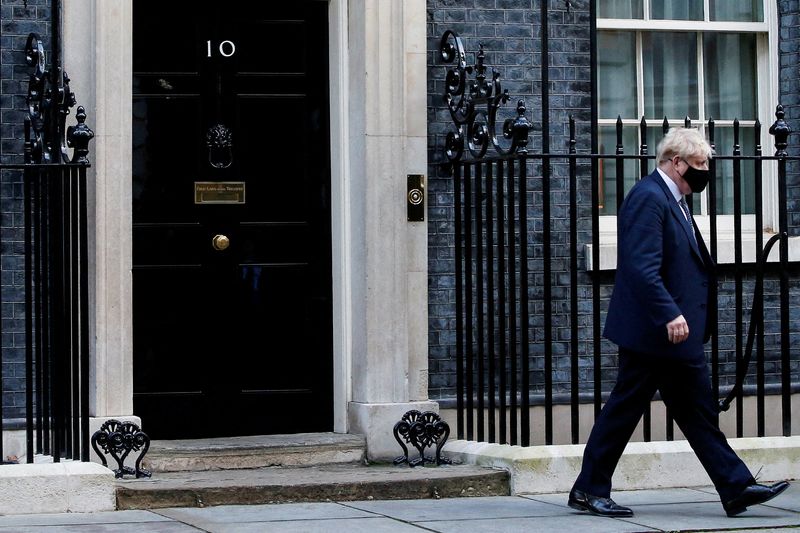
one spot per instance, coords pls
(725, 250)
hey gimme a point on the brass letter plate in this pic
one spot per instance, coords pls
(219, 192)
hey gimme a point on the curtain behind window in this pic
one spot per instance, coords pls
(670, 74)
(731, 92)
(616, 74)
(736, 11)
(676, 9)
(619, 9)
(730, 77)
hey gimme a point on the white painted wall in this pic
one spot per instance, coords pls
(387, 140)
(97, 57)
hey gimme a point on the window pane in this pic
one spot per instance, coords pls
(736, 10)
(654, 135)
(723, 140)
(670, 74)
(730, 75)
(677, 9)
(608, 167)
(616, 74)
(619, 9)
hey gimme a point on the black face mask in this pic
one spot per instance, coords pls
(696, 178)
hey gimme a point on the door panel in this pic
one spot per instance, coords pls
(284, 185)
(236, 340)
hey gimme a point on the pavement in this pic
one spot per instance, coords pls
(683, 509)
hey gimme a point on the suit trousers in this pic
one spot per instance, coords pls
(685, 388)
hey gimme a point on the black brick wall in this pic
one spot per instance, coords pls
(510, 34)
(789, 82)
(509, 31)
(16, 21)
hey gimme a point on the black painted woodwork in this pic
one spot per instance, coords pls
(232, 342)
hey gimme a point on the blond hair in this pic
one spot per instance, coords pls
(683, 142)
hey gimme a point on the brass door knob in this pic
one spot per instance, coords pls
(220, 242)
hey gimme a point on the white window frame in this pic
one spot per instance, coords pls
(767, 98)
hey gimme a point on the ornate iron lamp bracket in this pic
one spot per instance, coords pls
(474, 106)
(421, 430)
(119, 439)
(49, 101)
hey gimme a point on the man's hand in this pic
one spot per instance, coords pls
(677, 330)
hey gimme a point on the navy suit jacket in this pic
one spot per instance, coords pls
(661, 273)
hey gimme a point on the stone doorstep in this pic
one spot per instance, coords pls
(310, 484)
(303, 449)
(644, 465)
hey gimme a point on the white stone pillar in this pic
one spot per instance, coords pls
(388, 140)
(98, 58)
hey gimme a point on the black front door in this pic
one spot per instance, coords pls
(231, 219)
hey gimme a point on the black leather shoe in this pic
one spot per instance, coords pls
(753, 495)
(596, 505)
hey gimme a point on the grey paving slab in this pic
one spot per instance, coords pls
(710, 516)
(666, 496)
(564, 523)
(789, 500)
(782, 530)
(111, 517)
(691, 509)
(350, 525)
(639, 497)
(458, 508)
(226, 514)
(148, 527)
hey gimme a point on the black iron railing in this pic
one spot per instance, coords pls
(507, 345)
(56, 261)
(56, 311)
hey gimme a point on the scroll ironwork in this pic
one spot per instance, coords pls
(421, 430)
(474, 106)
(118, 439)
(49, 101)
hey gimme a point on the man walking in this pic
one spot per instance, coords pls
(659, 318)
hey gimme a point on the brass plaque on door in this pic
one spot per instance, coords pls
(219, 192)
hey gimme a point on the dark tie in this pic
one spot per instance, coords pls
(686, 212)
